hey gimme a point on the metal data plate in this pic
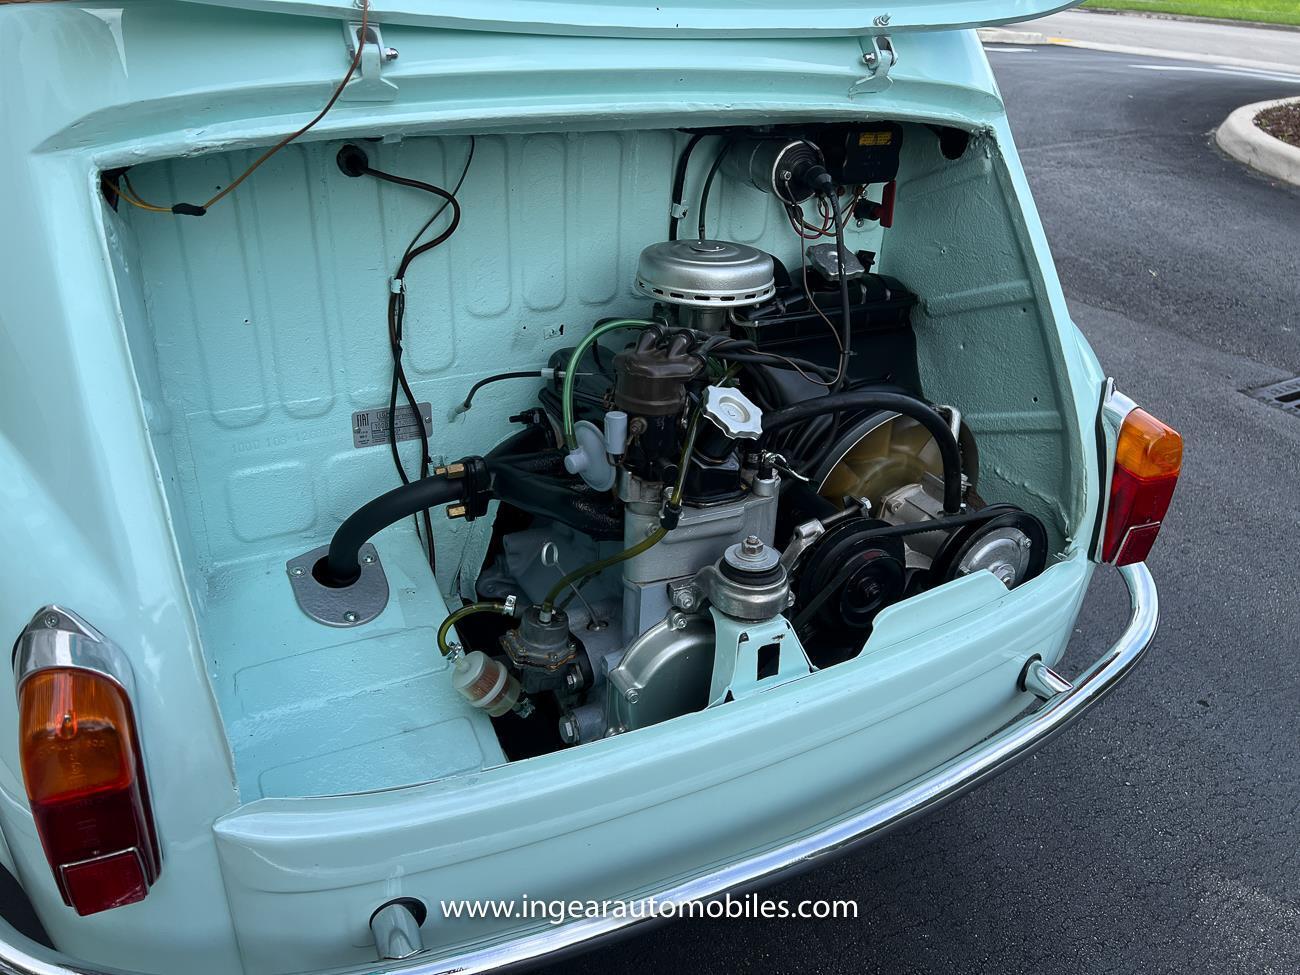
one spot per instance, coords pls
(370, 427)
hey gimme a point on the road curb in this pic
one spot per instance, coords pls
(1000, 35)
(1185, 18)
(1242, 139)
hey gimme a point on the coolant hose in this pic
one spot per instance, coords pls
(343, 564)
(909, 406)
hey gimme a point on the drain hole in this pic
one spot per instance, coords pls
(321, 573)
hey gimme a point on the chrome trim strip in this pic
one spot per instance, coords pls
(21, 956)
(58, 637)
(1115, 405)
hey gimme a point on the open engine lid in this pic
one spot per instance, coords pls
(674, 18)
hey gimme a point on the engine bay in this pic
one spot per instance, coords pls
(711, 493)
(716, 501)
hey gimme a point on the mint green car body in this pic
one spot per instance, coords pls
(155, 459)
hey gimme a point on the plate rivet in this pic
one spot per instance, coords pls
(350, 617)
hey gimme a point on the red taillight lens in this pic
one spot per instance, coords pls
(1148, 459)
(81, 764)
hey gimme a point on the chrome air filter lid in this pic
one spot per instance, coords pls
(706, 273)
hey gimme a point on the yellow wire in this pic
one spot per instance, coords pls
(363, 36)
(133, 197)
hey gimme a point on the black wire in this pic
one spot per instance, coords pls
(773, 360)
(708, 184)
(396, 322)
(846, 311)
(469, 158)
(679, 183)
(528, 374)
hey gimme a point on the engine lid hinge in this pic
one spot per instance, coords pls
(368, 83)
(879, 57)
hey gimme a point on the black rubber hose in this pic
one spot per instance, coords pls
(523, 481)
(708, 185)
(534, 437)
(679, 182)
(343, 564)
(866, 399)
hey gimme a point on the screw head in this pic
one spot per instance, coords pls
(632, 696)
(572, 680)
(881, 20)
(390, 54)
(752, 545)
(350, 617)
(297, 570)
(686, 599)
(50, 620)
(1025, 542)
(368, 558)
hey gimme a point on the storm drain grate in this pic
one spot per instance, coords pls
(1284, 395)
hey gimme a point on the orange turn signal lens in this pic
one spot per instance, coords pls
(74, 729)
(1147, 447)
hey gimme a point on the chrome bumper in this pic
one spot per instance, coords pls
(21, 956)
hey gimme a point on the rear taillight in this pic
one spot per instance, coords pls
(1148, 458)
(82, 765)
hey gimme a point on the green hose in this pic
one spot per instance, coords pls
(454, 618)
(592, 568)
(647, 543)
(571, 371)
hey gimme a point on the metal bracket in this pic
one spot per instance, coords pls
(738, 656)
(368, 83)
(346, 605)
(879, 57)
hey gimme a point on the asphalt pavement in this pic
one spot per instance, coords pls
(1159, 834)
(1275, 48)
